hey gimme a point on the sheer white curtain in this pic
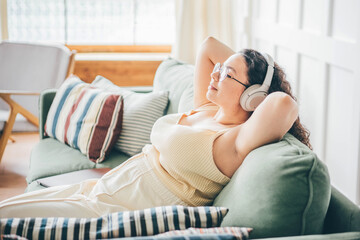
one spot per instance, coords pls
(3, 20)
(197, 19)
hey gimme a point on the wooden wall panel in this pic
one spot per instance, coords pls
(121, 73)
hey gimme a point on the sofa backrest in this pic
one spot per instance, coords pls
(177, 78)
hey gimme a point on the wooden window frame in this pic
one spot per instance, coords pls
(120, 48)
(120, 72)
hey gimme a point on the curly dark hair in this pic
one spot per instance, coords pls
(257, 68)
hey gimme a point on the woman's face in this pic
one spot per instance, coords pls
(226, 92)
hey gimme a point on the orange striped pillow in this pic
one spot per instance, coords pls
(85, 118)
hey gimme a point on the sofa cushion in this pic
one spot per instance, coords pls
(281, 189)
(177, 78)
(50, 157)
(86, 118)
(141, 110)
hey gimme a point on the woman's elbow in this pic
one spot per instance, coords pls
(209, 40)
(291, 107)
(286, 105)
(205, 47)
(288, 111)
(207, 44)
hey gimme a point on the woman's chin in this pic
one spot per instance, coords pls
(210, 95)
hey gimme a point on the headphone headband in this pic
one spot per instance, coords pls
(269, 72)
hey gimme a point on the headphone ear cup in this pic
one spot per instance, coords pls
(252, 97)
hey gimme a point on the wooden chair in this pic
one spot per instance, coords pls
(26, 69)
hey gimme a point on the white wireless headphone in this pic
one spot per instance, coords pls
(255, 94)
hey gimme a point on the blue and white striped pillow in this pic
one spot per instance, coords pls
(141, 110)
(86, 118)
(145, 222)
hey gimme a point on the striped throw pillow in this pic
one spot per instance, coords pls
(85, 118)
(141, 110)
(145, 222)
(12, 237)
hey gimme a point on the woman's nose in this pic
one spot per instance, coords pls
(215, 75)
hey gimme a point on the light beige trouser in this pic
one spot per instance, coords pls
(132, 185)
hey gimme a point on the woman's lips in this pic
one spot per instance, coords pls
(212, 87)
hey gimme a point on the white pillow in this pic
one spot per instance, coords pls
(141, 110)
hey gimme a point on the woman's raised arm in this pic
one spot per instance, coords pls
(211, 52)
(270, 121)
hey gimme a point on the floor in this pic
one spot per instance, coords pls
(14, 164)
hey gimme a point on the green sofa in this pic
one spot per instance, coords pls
(282, 190)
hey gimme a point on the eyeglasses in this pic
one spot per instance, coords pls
(224, 73)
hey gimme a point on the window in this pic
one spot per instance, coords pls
(92, 22)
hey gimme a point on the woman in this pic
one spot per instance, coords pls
(192, 156)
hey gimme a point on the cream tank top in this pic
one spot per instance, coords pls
(182, 158)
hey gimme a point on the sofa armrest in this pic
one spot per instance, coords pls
(342, 215)
(343, 236)
(46, 98)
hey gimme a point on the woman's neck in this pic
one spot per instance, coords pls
(231, 116)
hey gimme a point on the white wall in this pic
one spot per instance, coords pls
(318, 44)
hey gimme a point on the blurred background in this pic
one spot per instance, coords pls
(317, 42)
